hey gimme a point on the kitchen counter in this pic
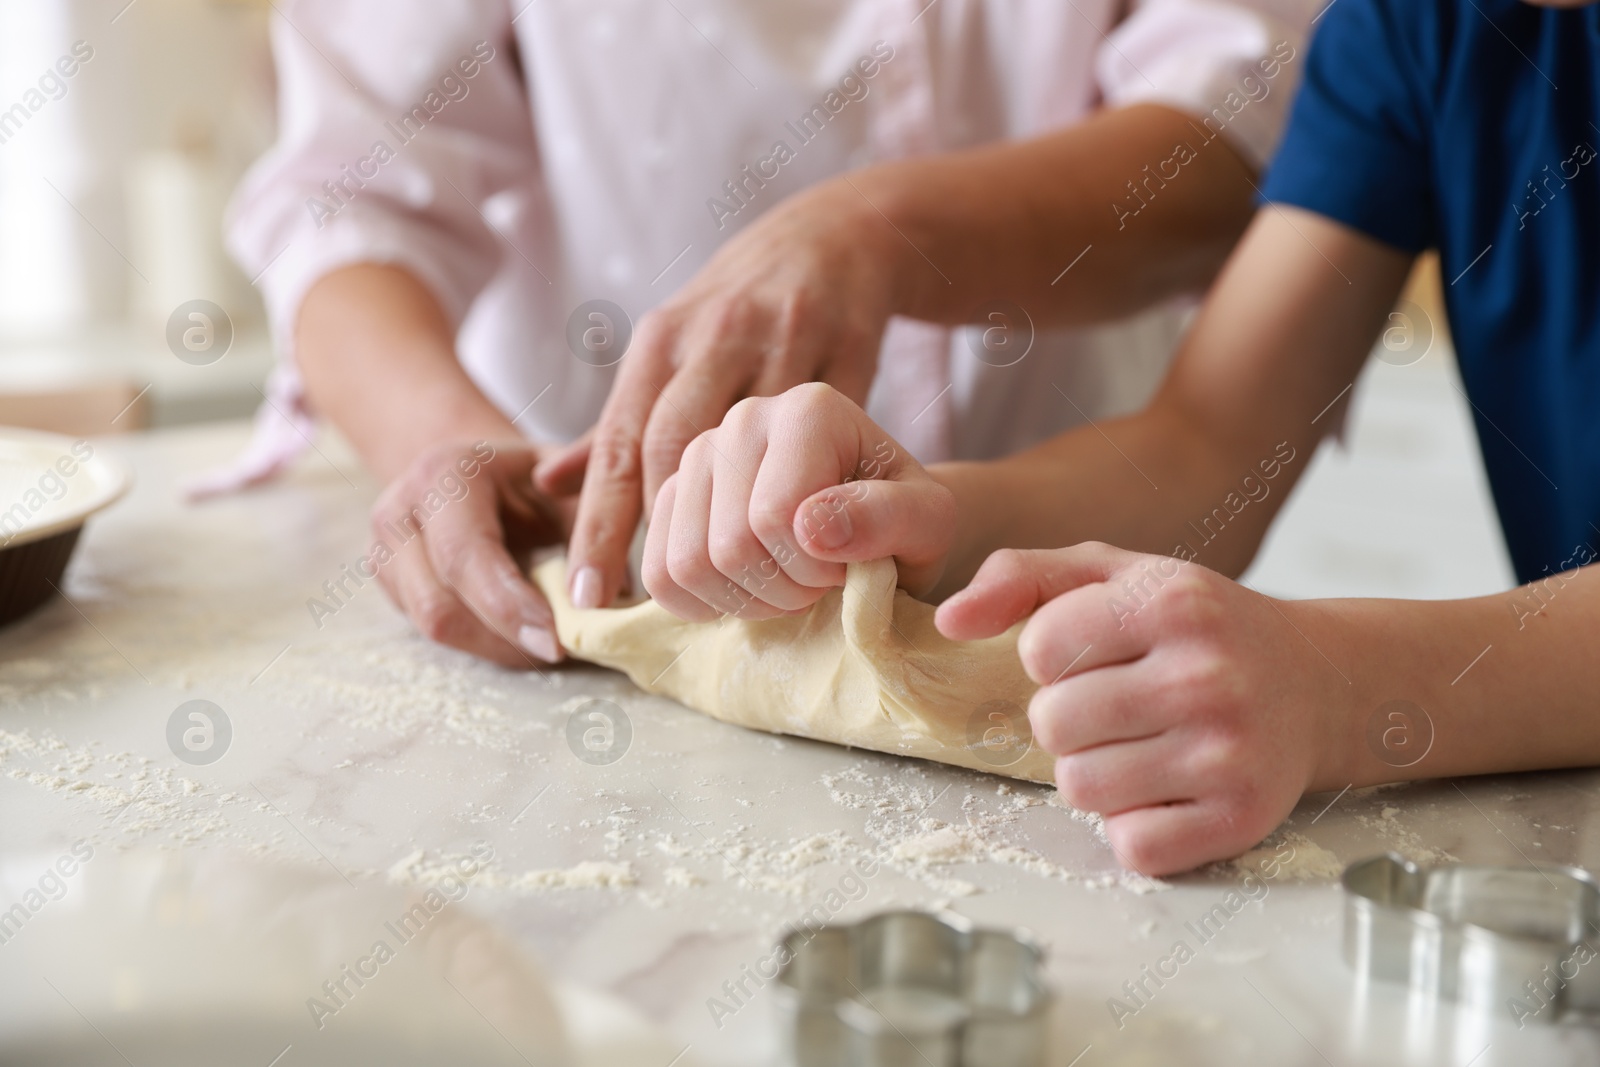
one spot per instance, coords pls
(657, 878)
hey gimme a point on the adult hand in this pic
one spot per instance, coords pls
(1188, 710)
(802, 295)
(454, 525)
(769, 507)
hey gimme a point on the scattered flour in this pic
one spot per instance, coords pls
(590, 874)
(416, 870)
(140, 799)
(1310, 861)
(916, 845)
(683, 878)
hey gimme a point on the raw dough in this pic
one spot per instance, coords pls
(864, 667)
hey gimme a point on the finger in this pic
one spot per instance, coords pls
(801, 340)
(689, 562)
(1078, 632)
(1013, 582)
(439, 614)
(1109, 705)
(466, 547)
(560, 473)
(694, 401)
(821, 439)
(1111, 779)
(612, 497)
(469, 555)
(657, 579)
(735, 551)
(1172, 838)
(909, 520)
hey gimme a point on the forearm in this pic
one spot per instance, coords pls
(379, 360)
(1005, 221)
(1202, 470)
(1503, 683)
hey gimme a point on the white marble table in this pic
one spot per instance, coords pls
(356, 744)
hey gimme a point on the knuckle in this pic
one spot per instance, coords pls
(771, 519)
(728, 550)
(1191, 602)
(653, 573)
(614, 457)
(1037, 647)
(697, 454)
(439, 619)
(1047, 721)
(1008, 564)
(669, 441)
(1139, 849)
(747, 415)
(690, 567)
(809, 396)
(732, 315)
(1077, 785)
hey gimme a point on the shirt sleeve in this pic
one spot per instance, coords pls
(1233, 66)
(1356, 150)
(399, 120)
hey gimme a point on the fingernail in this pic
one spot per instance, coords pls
(834, 531)
(541, 643)
(585, 588)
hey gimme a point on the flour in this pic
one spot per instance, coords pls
(410, 697)
(916, 845)
(416, 870)
(139, 799)
(590, 874)
(1309, 861)
(683, 878)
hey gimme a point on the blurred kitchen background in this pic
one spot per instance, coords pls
(111, 196)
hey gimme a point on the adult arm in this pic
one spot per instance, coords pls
(377, 356)
(805, 292)
(364, 228)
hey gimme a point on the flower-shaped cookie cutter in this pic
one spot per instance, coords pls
(911, 988)
(1523, 940)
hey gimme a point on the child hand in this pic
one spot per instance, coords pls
(1188, 710)
(765, 510)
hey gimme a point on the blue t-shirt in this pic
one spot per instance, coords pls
(1472, 126)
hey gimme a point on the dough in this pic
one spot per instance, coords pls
(864, 667)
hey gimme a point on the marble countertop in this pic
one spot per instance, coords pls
(659, 877)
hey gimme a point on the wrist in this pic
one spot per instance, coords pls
(466, 422)
(871, 209)
(1344, 695)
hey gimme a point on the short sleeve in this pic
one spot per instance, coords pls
(1356, 150)
(1232, 63)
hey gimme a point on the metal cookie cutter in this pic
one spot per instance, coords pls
(1523, 939)
(911, 988)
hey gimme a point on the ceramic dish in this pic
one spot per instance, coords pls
(49, 486)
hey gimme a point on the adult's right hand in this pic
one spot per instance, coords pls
(456, 522)
(802, 295)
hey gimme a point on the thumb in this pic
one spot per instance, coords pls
(912, 520)
(1013, 583)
